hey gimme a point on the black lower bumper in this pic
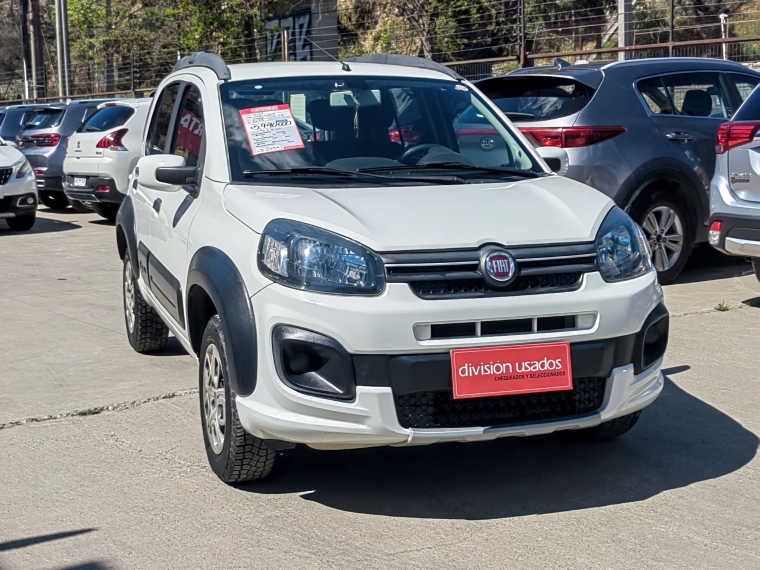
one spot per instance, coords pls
(50, 183)
(737, 227)
(97, 189)
(18, 205)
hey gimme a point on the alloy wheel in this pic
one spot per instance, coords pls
(129, 296)
(664, 231)
(214, 400)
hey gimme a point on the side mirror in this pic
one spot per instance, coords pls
(166, 172)
(555, 158)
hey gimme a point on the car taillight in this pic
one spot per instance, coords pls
(51, 139)
(112, 141)
(38, 172)
(714, 234)
(571, 137)
(731, 135)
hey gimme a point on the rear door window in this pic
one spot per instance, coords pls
(107, 118)
(535, 98)
(696, 94)
(44, 119)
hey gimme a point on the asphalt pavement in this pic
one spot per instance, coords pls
(103, 464)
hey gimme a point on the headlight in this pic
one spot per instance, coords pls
(622, 248)
(306, 257)
(24, 169)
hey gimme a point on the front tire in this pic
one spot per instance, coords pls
(233, 454)
(21, 223)
(668, 230)
(106, 210)
(54, 200)
(145, 329)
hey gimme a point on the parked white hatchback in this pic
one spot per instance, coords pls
(18, 189)
(102, 154)
(362, 282)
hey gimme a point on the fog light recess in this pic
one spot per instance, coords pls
(313, 364)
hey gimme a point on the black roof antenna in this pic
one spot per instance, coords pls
(343, 64)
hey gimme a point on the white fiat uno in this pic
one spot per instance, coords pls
(354, 267)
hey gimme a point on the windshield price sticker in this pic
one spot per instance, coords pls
(271, 129)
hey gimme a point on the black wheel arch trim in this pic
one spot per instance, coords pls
(125, 223)
(216, 274)
(665, 169)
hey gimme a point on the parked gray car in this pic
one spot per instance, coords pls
(13, 119)
(44, 140)
(735, 189)
(641, 131)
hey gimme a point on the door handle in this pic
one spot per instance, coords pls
(157, 205)
(682, 138)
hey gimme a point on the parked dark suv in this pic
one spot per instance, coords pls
(44, 140)
(641, 131)
(14, 117)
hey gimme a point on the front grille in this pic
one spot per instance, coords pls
(438, 409)
(557, 282)
(457, 274)
(5, 174)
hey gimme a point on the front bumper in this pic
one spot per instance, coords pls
(18, 205)
(390, 362)
(89, 193)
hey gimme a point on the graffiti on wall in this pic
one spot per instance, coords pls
(299, 26)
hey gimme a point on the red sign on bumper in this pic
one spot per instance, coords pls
(501, 371)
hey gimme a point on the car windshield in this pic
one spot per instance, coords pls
(391, 126)
(44, 118)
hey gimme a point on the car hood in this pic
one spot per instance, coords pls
(9, 156)
(544, 210)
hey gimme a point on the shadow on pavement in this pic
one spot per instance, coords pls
(24, 542)
(173, 348)
(707, 264)
(42, 226)
(680, 440)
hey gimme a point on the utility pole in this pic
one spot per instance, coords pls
(59, 47)
(625, 27)
(38, 58)
(109, 56)
(26, 52)
(523, 51)
(671, 26)
(724, 33)
(65, 42)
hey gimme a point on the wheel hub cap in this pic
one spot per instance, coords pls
(664, 231)
(214, 401)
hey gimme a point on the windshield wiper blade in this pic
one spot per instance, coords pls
(516, 115)
(457, 166)
(352, 174)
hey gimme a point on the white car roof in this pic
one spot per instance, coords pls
(279, 69)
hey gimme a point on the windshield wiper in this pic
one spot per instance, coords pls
(351, 174)
(91, 129)
(457, 166)
(516, 115)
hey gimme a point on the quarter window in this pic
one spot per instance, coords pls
(188, 133)
(161, 120)
(744, 84)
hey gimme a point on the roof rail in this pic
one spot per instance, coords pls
(406, 61)
(205, 59)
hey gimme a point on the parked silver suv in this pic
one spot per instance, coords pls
(641, 131)
(735, 188)
(44, 140)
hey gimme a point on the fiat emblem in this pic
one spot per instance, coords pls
(499, 267)
(487, 143)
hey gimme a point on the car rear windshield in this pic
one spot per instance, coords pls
(750, 111)
(44, 119)
(107, 118)
(536, 98)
